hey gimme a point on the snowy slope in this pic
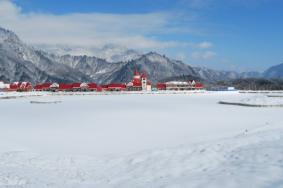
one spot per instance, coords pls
(246, 160)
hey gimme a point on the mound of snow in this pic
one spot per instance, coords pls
(258, 100)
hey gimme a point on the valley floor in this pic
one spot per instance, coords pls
(168, 140)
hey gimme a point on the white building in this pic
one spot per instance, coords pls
(4, 86)
(189, 85)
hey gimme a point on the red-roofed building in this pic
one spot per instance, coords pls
(26, 86)
(116, 87)
(104, 87)
(54, 87)
(46, 86)
(42, 87)
(20, 86)
(161, 86)
(199, 85)
(99, 89)
(15, 86)
(92, 87)
(139, 83)
(65, 87)
(180, 85)
(38, 87)
(112, 87)
(76, 86)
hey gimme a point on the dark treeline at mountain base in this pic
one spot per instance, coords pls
(251, 84)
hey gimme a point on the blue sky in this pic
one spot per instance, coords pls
(222, 34)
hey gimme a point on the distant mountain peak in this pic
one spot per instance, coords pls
(110, 52)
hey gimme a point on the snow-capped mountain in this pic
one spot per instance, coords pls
(20, 62)
(156, 66)
(99, 70)
(111, 53)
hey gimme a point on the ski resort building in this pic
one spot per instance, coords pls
(84, 87)
(94, 87)
(179, 86)
(54, 87)
(176, 85)
(113, 87)
(65, 87)
(139, 83)
(116, 87)
(76, 86)
(20, 86)
(161, 86)
(42, 87)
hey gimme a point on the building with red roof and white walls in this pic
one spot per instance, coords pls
(161, 86)
(139, 82)
(15, 86)
(26, 86)
(76, 86)
(42, 87)
(113, 87)
(20, 86)
(180, 85)
(116, 87)
(65, 87)
(92, 87)
(54, 87)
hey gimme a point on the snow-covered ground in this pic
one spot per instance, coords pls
(168, 140)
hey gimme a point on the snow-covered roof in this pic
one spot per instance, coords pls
(54, 85)
(84, 85)
(176, 83)
(2, 85)
(130, 84)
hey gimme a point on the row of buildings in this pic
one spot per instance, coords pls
(139, 82)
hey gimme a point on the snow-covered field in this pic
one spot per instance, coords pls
(162, 140)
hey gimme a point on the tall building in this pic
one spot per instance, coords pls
(139, 82)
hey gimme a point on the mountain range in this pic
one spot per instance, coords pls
(22, 62)
(111, 53)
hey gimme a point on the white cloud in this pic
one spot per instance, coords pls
(91, 29)
(203, 4)
(204, 45)
(203, 55)
(182, 56)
